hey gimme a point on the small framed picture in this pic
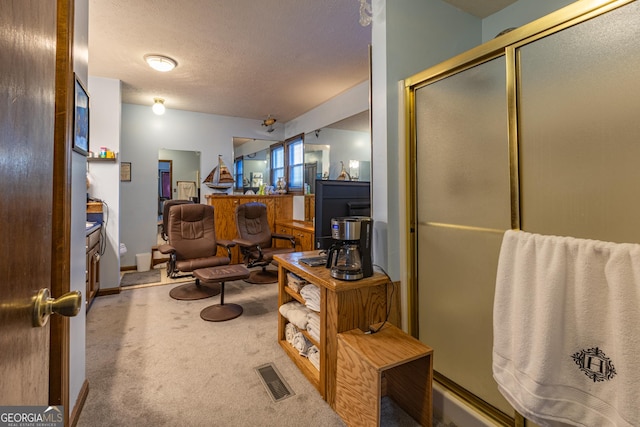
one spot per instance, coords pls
(125, 171)
(81, 119)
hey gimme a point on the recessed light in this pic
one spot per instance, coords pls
(161, 62)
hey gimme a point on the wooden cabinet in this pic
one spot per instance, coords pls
(93, 264)
(301, 230)
(343, 306)
(389, 363)
(309, 207)
(278, 206)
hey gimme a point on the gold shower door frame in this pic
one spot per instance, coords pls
(506, 46)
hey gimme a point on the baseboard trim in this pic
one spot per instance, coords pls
(128, 267)
(108, 291)
(77, 409)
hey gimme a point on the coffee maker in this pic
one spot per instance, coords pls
(349, 257)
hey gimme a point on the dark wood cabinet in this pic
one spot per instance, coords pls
(93, 240)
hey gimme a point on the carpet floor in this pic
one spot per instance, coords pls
(151, 361)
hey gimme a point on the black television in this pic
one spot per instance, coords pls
(337, 199)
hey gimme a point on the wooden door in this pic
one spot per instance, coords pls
(27, 76)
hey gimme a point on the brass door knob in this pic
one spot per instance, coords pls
(44, 306)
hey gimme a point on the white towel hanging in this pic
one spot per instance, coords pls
(566, 329)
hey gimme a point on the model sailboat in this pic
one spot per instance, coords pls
(219, 178)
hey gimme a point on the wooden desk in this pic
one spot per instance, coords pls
(301, 230)
(343, 306)
(388, 362)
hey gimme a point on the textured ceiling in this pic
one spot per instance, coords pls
(241, 58)
(480, 8)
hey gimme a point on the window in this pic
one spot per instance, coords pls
(277, 163)
(287, 162)
(295, 156)
(239, 173)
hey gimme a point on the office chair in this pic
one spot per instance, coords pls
(165, 214)
(193, 245)
(256, 242)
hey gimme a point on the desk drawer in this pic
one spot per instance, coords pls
(93, 239)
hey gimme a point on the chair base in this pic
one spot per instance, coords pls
(191, 291)
(221, 312)
(262, 277)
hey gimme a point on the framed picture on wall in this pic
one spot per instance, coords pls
(81, 118)
(125, 171)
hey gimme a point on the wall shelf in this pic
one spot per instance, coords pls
(102, 159)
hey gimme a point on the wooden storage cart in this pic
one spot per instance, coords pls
(343, 306)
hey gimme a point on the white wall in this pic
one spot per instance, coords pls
(347, 104)
(143, 135)
(77, 325)
(105, 176)
(344, 145)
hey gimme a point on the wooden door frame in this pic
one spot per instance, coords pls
(61, 210)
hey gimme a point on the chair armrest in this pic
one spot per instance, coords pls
(225, 243)
(166, 249)
(288, 237)
(244, 243)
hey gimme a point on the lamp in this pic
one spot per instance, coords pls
(160, 62)
(365, 13)
(158, 106)
(269, 122)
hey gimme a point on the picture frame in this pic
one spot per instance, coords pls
(81, 118)
(125, 171)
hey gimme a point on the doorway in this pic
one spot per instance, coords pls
(165, 184)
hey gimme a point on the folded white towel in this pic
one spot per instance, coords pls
(566, 341)
(295, 282)
(311, 295)
(313, 354)
(289, 331)
(313, 325)
(296, 313)
(301, 343)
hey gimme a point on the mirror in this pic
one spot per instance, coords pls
(327, 151)
(178, 176)
(251, 160)
(342, 145)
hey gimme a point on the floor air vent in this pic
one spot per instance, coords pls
(276, 386)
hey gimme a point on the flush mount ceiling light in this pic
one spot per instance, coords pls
(160, 62)
(158, 106)
(269, 122)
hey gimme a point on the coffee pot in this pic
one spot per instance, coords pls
(349, 257)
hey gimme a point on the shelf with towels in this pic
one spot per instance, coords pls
(343, 307)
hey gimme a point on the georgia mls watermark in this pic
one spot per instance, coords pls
(31, 416)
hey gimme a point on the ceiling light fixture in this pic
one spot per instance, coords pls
(161, 62)
(365, 13)
(269, 122)
(158, 106)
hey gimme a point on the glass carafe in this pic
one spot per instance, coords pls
(348, 264)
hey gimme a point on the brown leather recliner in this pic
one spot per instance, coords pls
(193, 245)
(165, 215)
(257, 243)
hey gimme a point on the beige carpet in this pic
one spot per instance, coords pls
(151, 361)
